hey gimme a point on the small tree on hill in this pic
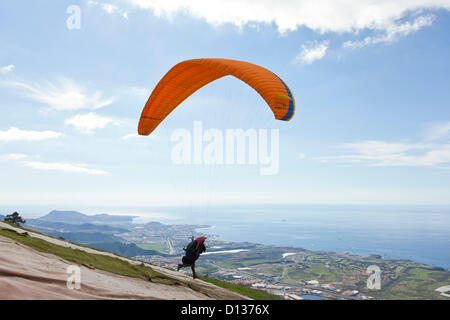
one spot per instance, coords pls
(14, 218)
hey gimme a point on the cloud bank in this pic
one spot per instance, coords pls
(62, 95)
(289, 15)
(88, 123)
(312, 52)
(386, 21)
(65, 167)
(16, 134)
(7, 69)
(393, 32)
(434, 151)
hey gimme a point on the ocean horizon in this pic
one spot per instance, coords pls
(417, 233)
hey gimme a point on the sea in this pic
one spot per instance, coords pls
(417, 233)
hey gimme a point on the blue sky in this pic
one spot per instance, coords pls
(371, 84)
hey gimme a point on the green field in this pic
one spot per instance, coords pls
(314, 271)
(152, 246)
(415, 283)
(248, 292)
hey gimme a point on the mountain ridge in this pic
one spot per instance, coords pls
(75, 217)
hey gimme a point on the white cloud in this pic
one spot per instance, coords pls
(392, 32)
(438, 131)
(16, 134)
(65, 167)
(7, 69)
(129, 136)
(382, 153)
(51, 166)
(64, 94)
(13, 156)
(109, 8)
(372, 147)
(88, 123)
(288, 15)
(312, 52)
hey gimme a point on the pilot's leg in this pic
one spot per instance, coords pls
(194, 275)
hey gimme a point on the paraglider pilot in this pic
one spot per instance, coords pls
(193, 251)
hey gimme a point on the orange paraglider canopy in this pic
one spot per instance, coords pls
(188, 76)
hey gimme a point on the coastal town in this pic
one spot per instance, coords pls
(273, 284)
(297, 274)
(287, 272)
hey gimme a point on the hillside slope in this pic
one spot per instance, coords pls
(27, 273)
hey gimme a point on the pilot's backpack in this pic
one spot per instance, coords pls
(191, 246)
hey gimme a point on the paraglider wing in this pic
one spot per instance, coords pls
(188, 76)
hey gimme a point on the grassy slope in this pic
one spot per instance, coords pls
(97, 261)
(120, 267)
(251, 293)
